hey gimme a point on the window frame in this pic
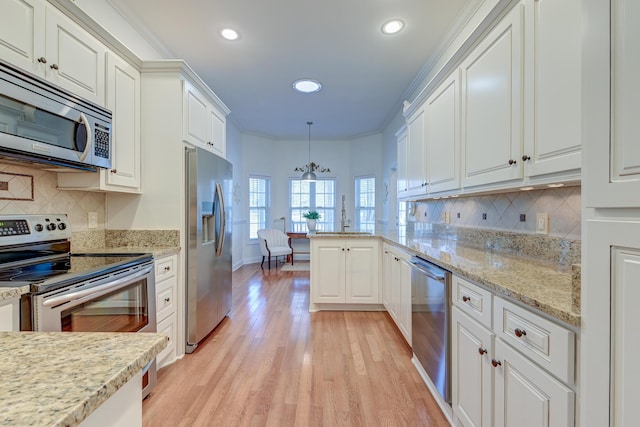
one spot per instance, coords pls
(324, 223)
(358, 209)
(266, 208)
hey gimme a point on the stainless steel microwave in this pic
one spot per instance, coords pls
(43, 123)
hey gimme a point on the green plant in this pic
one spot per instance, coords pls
(311, 215)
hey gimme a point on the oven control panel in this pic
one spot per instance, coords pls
(19, 229)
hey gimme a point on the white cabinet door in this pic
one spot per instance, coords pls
(75, 59)
(196, 128)
(443, 136)
(123, 98)
(22, 34)
(404, 305)
(218, 133)
(553, 126)
(362, 274)
(387, 277)
(527, 396)
(402, 163)
(471, 372)
(328, 271)
(492, 89)
(616, 182)
(10, 315)
(416, 160)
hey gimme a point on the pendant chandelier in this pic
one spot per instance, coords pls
(310, 168)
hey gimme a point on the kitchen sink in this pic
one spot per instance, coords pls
(361, 233)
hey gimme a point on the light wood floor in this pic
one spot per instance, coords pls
(274, 363)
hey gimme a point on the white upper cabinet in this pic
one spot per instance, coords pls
(123, 99)
(40, 39)
(75, 59)
(22, 39)
(492, 87)
(616, 183)
(416, 156)
(203, 124)
(553, 98)
(443, 136)
(401, 138)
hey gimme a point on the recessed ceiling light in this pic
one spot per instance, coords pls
(393, 26)
(307, 85)
(229, 34)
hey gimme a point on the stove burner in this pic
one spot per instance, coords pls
(36, 272)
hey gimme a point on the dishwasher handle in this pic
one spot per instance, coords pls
(428, 269)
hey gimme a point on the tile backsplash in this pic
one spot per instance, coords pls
(48, 199)
(504, 211)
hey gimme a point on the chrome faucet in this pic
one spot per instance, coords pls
(343, 220)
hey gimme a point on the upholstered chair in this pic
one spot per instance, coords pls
(275, 243)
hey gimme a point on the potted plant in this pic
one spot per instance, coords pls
(311, 216)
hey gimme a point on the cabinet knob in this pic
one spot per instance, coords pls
(482, 351)
(466, 298)
(512, 162)
(495, 363)
(167, 299)
(167, 268)
(348, 249)
(525, 158)
(42, 60)
(114, 170)
(342, 249)
(520, 332)
(54, 66)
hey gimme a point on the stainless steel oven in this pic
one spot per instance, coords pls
(91, 292)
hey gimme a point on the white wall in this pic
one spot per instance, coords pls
(389, 164)
(234, 155)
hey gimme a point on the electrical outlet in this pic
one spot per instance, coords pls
(523, 217)
(484, 216)
(425, 214)
(447, 217)
(542, 223)
(92, 220)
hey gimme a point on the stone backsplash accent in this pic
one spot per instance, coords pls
(142, 238)
(93, 239)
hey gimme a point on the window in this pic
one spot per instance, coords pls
(366, 204)
(317, 195)
(258, 204)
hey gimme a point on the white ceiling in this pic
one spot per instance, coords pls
(365, 74)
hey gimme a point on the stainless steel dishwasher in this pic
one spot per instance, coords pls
(430, 322)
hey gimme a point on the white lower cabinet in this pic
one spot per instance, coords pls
(10, 315)
(397, 288)
(166, 306)
(344, 271)
(472, 379)
(526, 395)
(516, 372)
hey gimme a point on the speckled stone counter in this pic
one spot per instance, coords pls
(546, 286)
(59, 378)
(13, 292)
(157, 251)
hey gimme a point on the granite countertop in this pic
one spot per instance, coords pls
(543, 285)
(59, 378)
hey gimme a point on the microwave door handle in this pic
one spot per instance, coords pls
(111, 286)
(89, 144)
(222, 215)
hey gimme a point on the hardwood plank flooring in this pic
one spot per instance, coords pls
(272, 363)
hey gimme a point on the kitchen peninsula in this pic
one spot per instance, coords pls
(68, 379)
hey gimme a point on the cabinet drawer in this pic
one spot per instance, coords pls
(165, 299)
(473, 300)
(549, 345)
(166, 267)
(168, 327)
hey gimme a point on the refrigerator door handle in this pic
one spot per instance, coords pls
(222, 213)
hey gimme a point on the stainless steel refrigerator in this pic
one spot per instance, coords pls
(208, 256)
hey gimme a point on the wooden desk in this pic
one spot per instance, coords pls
(298, 235)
